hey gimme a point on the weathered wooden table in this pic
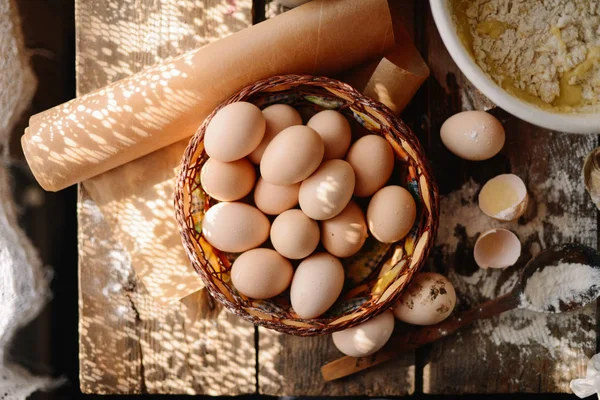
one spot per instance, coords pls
(131, 344)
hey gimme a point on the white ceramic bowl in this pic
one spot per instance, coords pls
(571, 122)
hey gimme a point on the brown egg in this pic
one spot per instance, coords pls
(316, 285)
(292, 156)
(366, 338)
(261, 273)
(344, 234)
(372, 159)
(234, 132)
(429, 299)
(227, 181)
(327, 192)
(235, 227)
(278, 117)
(473, 135)
(273, 199)
(294, 235)
(335, 131)
(391, 214)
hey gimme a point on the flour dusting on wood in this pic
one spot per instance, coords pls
(535, 334)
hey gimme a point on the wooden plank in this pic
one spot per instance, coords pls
(290, 366)
(520, 351)
(128, 342)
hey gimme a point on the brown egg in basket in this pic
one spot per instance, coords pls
(378, 273)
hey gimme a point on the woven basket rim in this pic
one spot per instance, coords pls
(399, 128)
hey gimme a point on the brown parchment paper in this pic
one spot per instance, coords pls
(166, 103)
(136, 198)
(394, 78)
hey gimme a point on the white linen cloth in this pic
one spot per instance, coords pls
(23, 282)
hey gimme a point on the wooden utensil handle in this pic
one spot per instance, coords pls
(418, 337)
(428, 334)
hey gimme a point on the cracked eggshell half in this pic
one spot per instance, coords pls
(497, 248)
(504, 197)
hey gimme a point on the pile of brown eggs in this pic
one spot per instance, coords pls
(294, 184)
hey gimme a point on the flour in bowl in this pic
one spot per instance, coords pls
(546, 52)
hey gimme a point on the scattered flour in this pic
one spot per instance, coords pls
(534, 335)
(563, 283)
(459, 211)
(116, 260)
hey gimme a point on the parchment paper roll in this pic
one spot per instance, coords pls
(135, 198)
(166, 103)
(394, 78)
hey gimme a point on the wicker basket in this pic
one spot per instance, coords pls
(376, 276)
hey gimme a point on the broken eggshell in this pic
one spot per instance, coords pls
(504, 197)
(497, 248)
(591, 175)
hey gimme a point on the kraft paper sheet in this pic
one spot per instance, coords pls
(136, 198)
(166, 103)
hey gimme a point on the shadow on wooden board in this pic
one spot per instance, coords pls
(50, 344)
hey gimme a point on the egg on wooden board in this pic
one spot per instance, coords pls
(273, 199)
(316, 285)
(327, 192)
(227, 181)
(261, 273)
(366, 338)
(391, 214)
(234, 132)
(294, 235)
(235, 227)
(473, 135)
(344, 234)
(335, 131)
(292, 156)
(429, 299)
(278, 117)
(372, 159)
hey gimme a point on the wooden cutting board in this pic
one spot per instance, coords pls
(131, 344)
